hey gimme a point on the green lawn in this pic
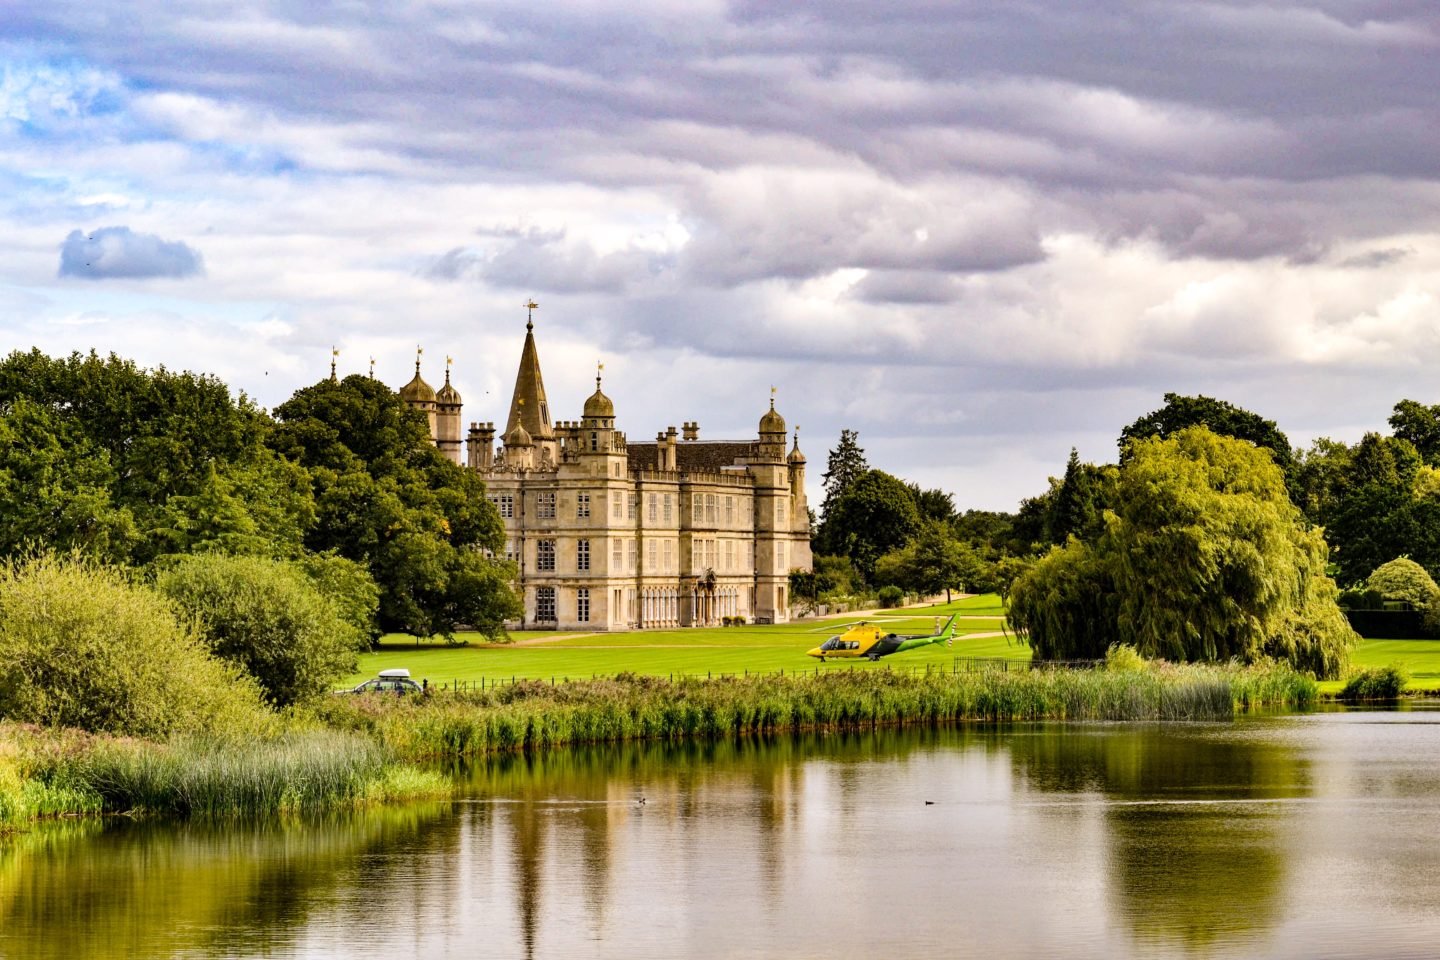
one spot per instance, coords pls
(767, 649)
(690, 651)
(1420, 657)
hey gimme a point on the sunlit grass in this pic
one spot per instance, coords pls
(692, 652)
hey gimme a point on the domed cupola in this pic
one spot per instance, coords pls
(772, 422)
(417, 390)
(599, 406)
(519, 437)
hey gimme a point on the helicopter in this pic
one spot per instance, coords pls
(867, 640)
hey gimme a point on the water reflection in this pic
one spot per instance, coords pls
(1192, 816)
(76, 890)
(1226, 840)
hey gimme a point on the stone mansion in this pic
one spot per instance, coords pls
(611, 534)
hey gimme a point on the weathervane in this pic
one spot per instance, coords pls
(599, 369)
(530, 306)
(448, 361)
(333, 354)
(419, 351)
(372, 367)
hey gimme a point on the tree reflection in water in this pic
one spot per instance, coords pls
(1194, 819)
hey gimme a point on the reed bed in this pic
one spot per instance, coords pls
(64, 773)
(535, 716)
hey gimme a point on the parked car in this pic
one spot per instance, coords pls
(395, 682)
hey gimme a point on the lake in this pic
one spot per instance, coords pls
(1289, 836)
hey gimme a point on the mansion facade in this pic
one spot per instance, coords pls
(610, 534)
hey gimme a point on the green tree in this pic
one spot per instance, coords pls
(846, 464)
(874, 516)
(269, 617)
(989, 532)
(1226, 419)
(933, 504)
(82, 646)
(143, 437)
(353, 591)
(835, 576)
(1404, 580)
(1065, 605)
(1206, 558)
(933, 561)
(1318, 475)
(387, 498)
(55, 488)
(1420, 425)
(1375, 515)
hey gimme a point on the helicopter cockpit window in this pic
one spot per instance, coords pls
(832, 644)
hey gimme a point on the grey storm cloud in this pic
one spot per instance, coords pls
(121, 253)
(542, 261)
(1225, 131)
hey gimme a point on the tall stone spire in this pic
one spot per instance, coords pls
(528, 407)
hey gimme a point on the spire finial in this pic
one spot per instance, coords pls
(419, 351)
(530, 306)
(599, 369)
(772, 396)
(333, 354)
(372, 368)
(448, 361)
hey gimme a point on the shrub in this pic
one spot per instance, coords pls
(80, 646)
(890, 596)
(269, 617)
(1376, 683)
(353, 591)
(1123, 657)
(1357, 598)
(1404, 580)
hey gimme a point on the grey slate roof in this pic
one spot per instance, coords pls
(698, 456)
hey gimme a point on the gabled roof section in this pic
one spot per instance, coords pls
(528, 407)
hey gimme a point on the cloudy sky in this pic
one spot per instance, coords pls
(978, 233)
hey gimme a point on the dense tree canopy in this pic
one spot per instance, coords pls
(1218, 416)
(933, 562)
(386, 497)
(1419, 425)
(1382, 504)
(129, 464)
(876, 514)
(1205, 558)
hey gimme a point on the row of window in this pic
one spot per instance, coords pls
(706, 508)
(661, 556)
(654, 604)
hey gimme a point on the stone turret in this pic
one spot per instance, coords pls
(771, 445)
(419, 395)
(447, 418)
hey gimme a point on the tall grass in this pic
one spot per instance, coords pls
(530, 716)
(65, 773)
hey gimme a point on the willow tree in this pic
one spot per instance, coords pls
(1204, 557)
